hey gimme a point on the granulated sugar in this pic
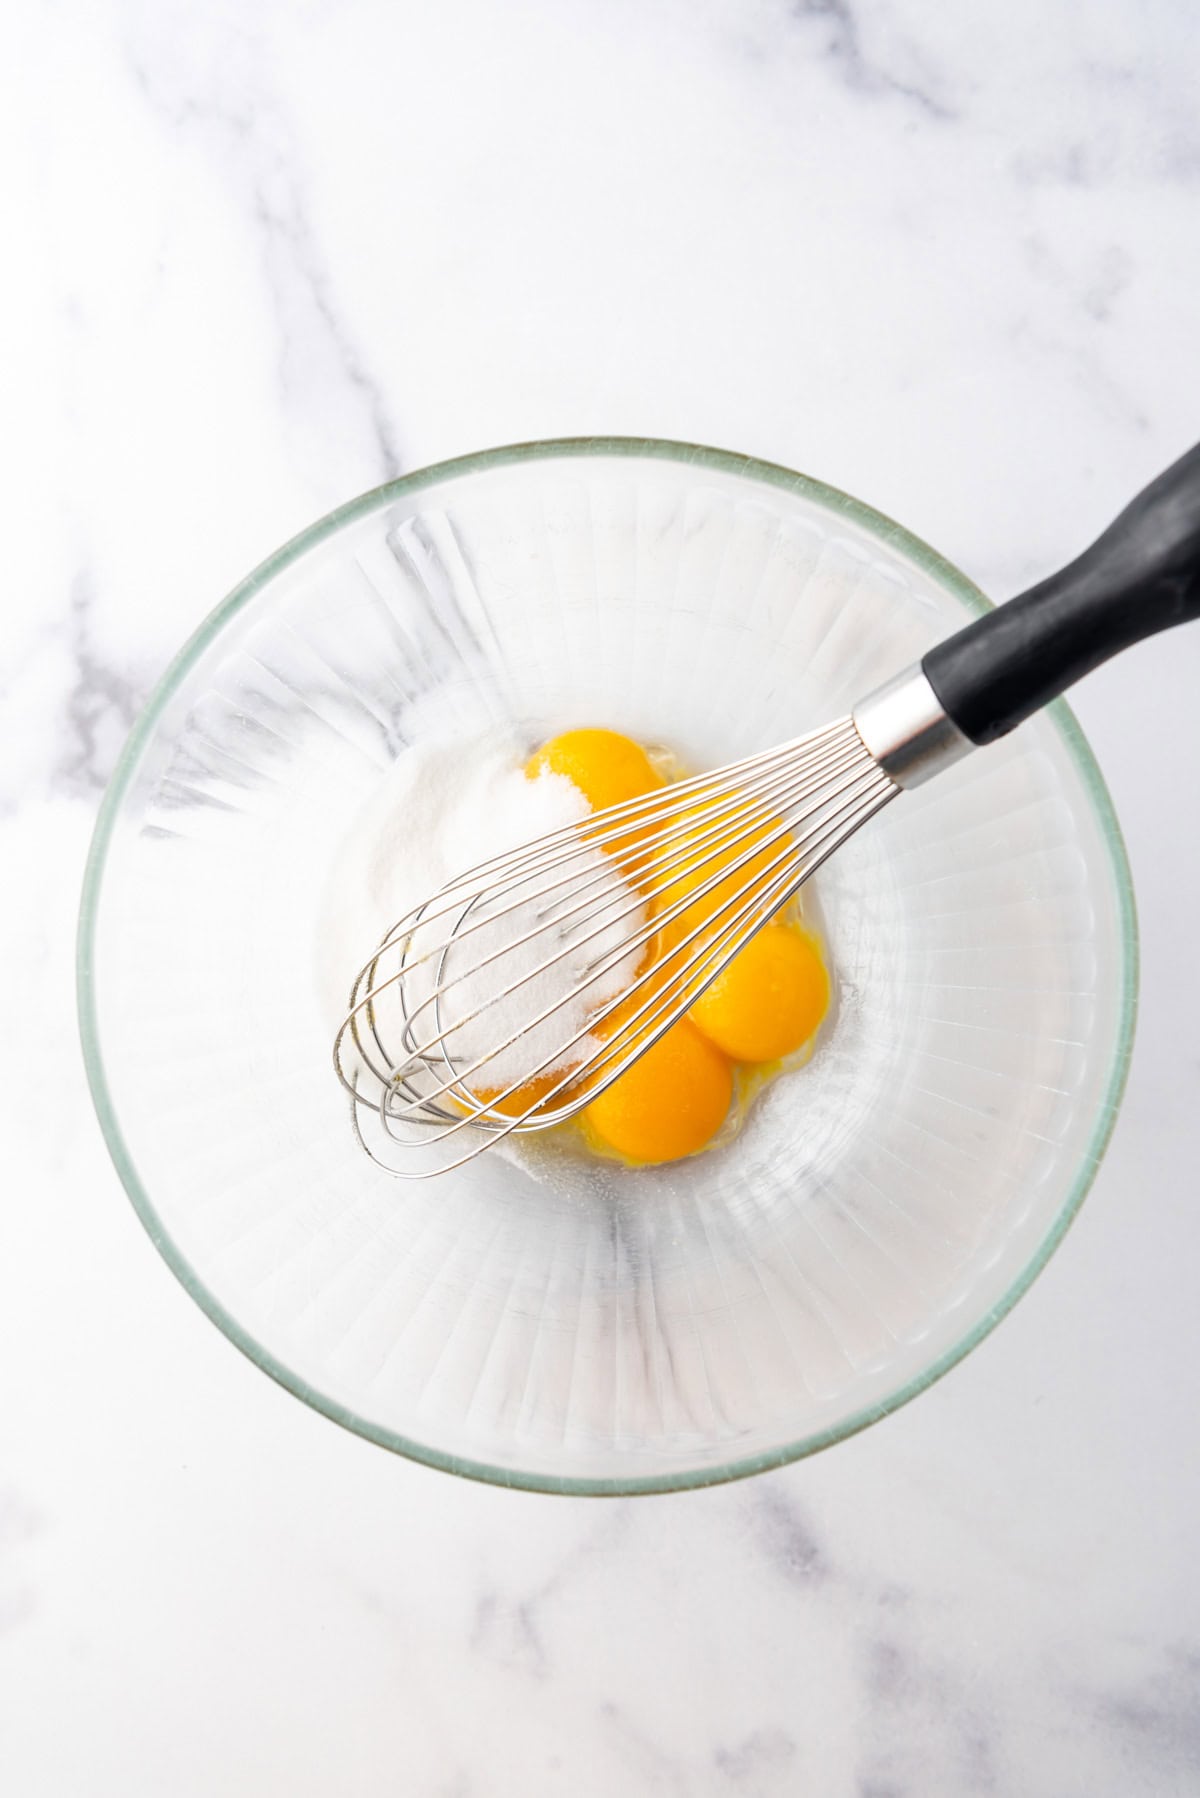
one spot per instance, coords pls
(441, 810)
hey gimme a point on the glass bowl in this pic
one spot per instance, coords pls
(579, 1327)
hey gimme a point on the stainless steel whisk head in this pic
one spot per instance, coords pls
(492, 968)
(541, 963)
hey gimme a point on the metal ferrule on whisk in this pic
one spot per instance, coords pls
(905, 728)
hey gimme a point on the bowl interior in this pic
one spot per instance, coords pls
(564, 1324)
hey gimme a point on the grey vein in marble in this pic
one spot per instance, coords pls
(785, 1537)
(642, 1756)
(237, 112)
(288, 231)
(508, 1635)
(20, 1522)
(1162, 1713)
(762, 1752)
(908, 1697)
(1095, 285)
(100, 707)
(856, 70)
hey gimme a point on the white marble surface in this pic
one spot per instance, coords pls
(262, 256)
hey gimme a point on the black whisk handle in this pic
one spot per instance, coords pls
(1140, 577)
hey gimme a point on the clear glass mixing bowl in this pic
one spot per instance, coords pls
(584, 1328)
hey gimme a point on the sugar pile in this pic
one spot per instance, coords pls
(440, 811)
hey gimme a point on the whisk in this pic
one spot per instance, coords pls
(510, 999)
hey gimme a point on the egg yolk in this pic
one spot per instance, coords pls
(696, 840)
(767, 1003)
(670, 1103)
(525, 1099)
(608, 769)
(769, 1000)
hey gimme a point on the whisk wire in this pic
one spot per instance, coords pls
(660, 1012)
(830, 777)
(731, 826)
(724, 824)
(577, 839)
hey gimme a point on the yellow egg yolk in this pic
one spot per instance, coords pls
(766, 1004)
(607, 768)
(526, 1098)
(670, 1103)
(700, 843)
(769, 1000)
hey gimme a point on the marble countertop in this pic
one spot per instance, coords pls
(264, 256)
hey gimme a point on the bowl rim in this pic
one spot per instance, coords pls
(831, 499)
